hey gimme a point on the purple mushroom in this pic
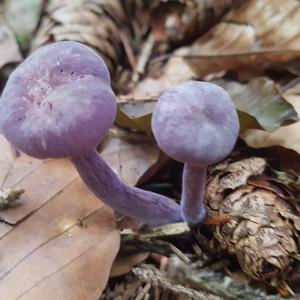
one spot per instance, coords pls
(59, 103)
(195, 123)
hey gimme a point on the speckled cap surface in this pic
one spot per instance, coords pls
(58, 102)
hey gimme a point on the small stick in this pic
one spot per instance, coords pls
(145, 290)
(128, 49)
(143, 59)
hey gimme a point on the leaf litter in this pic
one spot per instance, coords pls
(236, 46)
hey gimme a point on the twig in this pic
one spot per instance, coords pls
(143, 59)
(149, 274)
(128, 135)
(289, 85)
(215, 283)
(145, 290)
(128, 49)
(158, 231)
(125, 99)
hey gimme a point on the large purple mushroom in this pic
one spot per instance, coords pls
(195, 123)
(59, 103)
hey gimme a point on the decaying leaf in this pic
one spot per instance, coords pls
(11, 54)
(286, 136)
(23, 16)
(135, 110)
(260, 99)
(259, 103)
(264, 228)
(130, 155)
(136, 115)
(58, 241)
(126, 261)
(254, 35)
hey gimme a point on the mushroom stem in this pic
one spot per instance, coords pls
(148, 207)
(193, 208)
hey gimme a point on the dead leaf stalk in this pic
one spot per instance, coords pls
(143, 59)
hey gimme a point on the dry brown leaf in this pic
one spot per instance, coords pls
(58, 241)
(131, 156)
(135, 109)
(254, 35)
(125, 262)
(10, 50)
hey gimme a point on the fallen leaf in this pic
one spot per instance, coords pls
(11, 52)
(22, 16)
(130, 155)
(260, 99)
(254, 35)
(58, 241)
(285, 136)
(135, 109)
(136, 115)
(259, 103)
(125, 262)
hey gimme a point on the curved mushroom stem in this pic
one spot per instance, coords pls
(193, 208)
(148, 207)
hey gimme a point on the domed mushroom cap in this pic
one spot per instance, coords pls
(58, 102)
(195, 122)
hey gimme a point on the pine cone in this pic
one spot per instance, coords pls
(176, 21)
(95, 23)
(263, 209)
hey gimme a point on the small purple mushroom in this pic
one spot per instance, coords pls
(59, 103)
(195, 123)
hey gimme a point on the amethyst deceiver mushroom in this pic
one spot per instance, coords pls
(195, 123)
(59, 103)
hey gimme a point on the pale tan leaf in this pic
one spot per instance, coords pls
(253, 36)
(135, 110)
(58, 241)
(130, 156)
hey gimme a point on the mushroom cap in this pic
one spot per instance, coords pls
(58, 102)
(196, 123)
